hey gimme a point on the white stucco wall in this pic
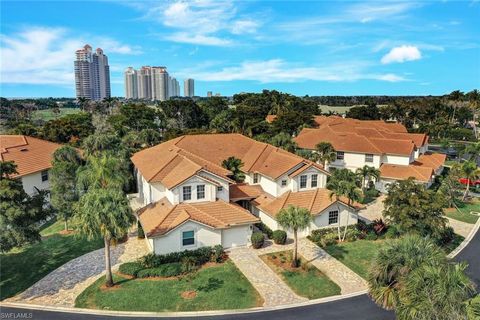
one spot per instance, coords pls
(353, 161)
(30, 181)
(346, 215)
(321, 180)
(236, 236)
(394, 159)
(224, 194)
(172, 241)
(210, 190)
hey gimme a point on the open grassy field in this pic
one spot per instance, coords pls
(216, 287)
(48, 114)
(21, 268)
(307, 281)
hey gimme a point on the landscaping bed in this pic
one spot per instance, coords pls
(215, 286)
(307, 281)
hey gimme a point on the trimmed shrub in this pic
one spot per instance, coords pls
(201, 256)
(188, 265)
(353, 235)
(392, 232)
(279, 236)
(257, 240)
(165, 270)
(218, 254)
(265, 229)
(140, 232)
(130, 268)
(371, 236)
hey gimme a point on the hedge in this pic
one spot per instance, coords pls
(279, 236)
(265, 229)
(165, 270)
(201, 256)
(130, 268)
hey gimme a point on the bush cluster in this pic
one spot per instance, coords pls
(257, 240)
(279, 236)
(200, 256)
(130, 268)
(265, 229)
(166, 270)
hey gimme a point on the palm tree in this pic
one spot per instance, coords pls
(394, 263)
(470, 172)
(106, 213)
(325, 153)
(104, 171)
(353, 195)
(363, 173)
(295, 219)
(234, 164)
(83, 102)
(284, 140)
(473, 150)
(435, 292)
(455, 97)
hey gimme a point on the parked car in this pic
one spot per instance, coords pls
(472, 182)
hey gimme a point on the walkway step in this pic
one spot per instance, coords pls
(346, 279)
(272, 289)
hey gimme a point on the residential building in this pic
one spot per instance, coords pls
(160, 80)
(384, 146)
(209, 94)
(144, 83)
(92, 74)
(33, 158)
(131, 83)
(186, 193)
(189, 87)
(174, 87)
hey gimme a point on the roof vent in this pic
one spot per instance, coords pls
(24, 149)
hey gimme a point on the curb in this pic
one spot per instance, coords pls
(140, 314)
(466, 241)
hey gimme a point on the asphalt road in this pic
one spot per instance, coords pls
(355, 308)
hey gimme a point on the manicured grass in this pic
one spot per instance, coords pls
(465, 209)
(357, 255)
(48, 114)
(21, 268)
(307, 281)
(52, 227)
(216, 287)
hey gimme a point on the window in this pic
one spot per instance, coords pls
(314, 181)
(369, 158)
(303, 182)
(188, 238)
(340, 155)
(255, 178)
(284, 183)
(187, 193)
(44, 175)
(333, 217)
(201, 191)
(219, 189)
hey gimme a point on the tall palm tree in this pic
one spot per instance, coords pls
(106, 213)
(104, 171)
(234, 165)
(295, 219)
(435, 292)
(473, 150)
(284, 140)
(83, 102)
(353, 195)
(325, 153)
(394, 263)
(363, 173)
(470, 172)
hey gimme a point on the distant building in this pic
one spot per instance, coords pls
(209, 94)
(92, 74)
(189, 88)
(144, 83)
(131, 83)
(174, 88)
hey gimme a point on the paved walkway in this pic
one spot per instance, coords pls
(461, 228)
(272, 289)
(62, 286)
(346, 279)
(374, 210)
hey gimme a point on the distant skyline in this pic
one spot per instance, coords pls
(311, 47)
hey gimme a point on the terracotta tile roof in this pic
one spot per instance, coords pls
(402, 172)
(174, 161)
(432, 160)
(162, 217)
(315, 201)
(29, 154)
(245, 191)
(306, 167)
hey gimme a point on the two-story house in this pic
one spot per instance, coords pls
(384, 146)
(33, 158)
(190, 200)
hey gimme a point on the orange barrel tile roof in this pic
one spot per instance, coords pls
(29, 154)
(161, 217)
(432, 160)
(315, 201)
(241, 191)
(402, 172)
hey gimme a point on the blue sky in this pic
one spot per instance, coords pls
(311, 47)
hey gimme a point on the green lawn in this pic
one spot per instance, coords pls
(357, 255)
(464, 214)
(52, 227)
(307, 281)
(48, 114)
(217, 287)
(21, 268)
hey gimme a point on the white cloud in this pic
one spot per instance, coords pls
(41, 55)
(278, 70)
(373, 11)
(401, 54)
(202, 22)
